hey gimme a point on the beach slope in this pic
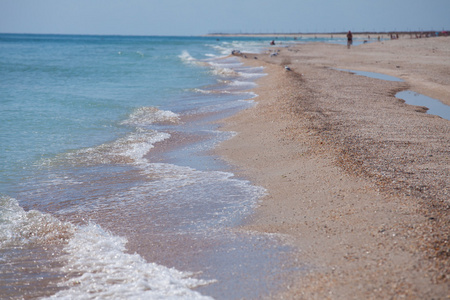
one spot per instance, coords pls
(357, 180)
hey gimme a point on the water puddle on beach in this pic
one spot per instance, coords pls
(434, 106)
(373, 75)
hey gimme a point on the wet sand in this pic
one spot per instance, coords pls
(357, 180)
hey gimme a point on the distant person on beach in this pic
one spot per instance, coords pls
(272, 42)
(349, 39)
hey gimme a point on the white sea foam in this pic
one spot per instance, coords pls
(108, 272)
(149, 115)
(225, 48)
(138, 145)
(223, 63)
(128, 149)
(251, 75)
(19, 227)
(186, 57)
(95, 259)
(222, 48)
(224, 72)
(231, 67)
(132, 147)
(221, 67)
(202, 91)
(189, 59)
(249, 84)
(248, 46)
(232, 198)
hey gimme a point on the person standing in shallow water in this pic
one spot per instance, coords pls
(349, 39)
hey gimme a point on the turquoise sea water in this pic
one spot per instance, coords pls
(68, 92)
(107, 185)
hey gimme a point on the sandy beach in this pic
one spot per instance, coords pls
(357, 180)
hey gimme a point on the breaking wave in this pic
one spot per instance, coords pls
(95, 261)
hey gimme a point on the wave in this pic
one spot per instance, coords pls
(251, 75)
(246, 95)
(239, 83)
(150, 115)
(231, 67)
(95, 261)
(109, 272)
(224, 63)
(188, 59)
(173, 185)
(20, 228)
(224, 72)
(225, 48)
(202, 91)
(129, 149)
(222, 49)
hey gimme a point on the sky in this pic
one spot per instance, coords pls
(199, 17)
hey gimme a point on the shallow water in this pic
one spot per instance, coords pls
(108, 185)
(373, 75)
(435, 107)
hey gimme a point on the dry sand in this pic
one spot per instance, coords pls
(357, 180)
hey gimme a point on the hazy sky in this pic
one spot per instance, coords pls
(197, 17)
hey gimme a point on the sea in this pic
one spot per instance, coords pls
(109, 186)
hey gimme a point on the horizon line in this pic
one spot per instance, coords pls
(231, 34)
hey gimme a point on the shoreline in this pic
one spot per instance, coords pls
(343, 35)
(356, 178)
